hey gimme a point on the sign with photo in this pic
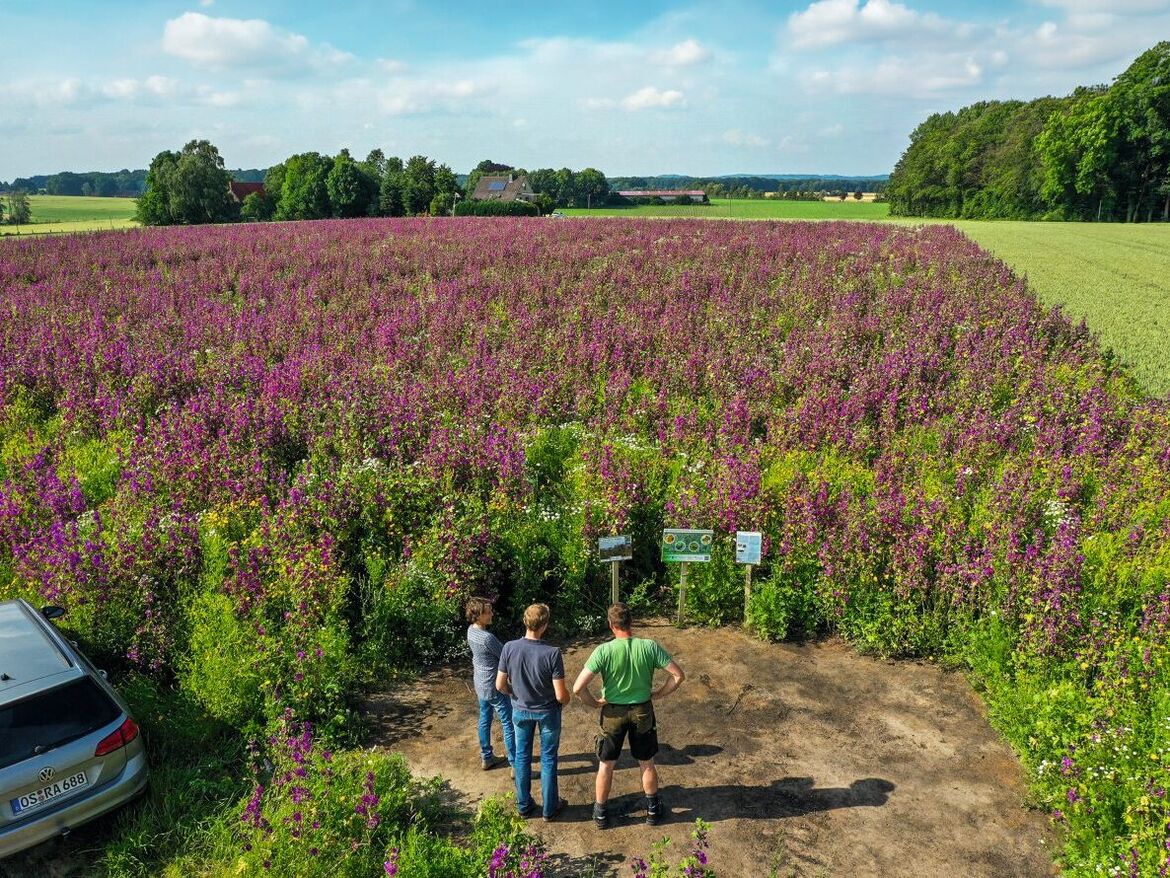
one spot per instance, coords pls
(748, 545)
(686, 545)
(619, 548)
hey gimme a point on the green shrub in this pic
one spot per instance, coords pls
(783, 606)
(714, 589)
(471, 207)
(223, 668)
(408, 620)
(330, 814)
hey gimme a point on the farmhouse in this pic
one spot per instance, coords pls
(664, 194)
(501, 187)
(239, 191)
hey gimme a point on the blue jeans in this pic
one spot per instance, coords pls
(501, 705)
(526, 722)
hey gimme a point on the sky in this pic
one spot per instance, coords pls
(631, 87)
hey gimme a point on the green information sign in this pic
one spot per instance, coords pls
(680, 545)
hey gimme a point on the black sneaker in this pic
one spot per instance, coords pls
(600, 816)
(654, 810)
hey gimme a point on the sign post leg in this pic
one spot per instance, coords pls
(613, 582)
(682, 590)
(747, 589)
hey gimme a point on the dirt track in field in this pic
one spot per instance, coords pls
(808, 761)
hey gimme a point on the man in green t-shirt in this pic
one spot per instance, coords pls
(626, 665)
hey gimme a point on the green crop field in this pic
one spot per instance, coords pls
(74, 213)
(1117, 277)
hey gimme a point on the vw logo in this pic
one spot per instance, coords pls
(46, 774)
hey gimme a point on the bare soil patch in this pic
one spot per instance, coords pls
(807, 760)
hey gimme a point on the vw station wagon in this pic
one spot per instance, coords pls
(69, 749)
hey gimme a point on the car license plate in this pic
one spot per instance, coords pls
(48, 793)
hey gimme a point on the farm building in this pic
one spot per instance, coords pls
(664, 194)
(501, 187)
(239, 191)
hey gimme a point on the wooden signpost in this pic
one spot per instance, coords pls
(682, 546)
(614, 550)
(748, 545)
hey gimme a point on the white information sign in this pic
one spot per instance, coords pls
(748, 544)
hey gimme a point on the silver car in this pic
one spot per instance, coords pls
(69, 749)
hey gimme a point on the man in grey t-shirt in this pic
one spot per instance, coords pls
(533, 673)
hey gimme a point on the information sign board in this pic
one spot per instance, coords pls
(686, 545)
(619, 548)
(747, 546)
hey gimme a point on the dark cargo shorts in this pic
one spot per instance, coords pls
(619, 719)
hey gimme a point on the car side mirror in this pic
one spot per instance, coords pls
(52, 612)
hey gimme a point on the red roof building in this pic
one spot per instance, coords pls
(239, 191)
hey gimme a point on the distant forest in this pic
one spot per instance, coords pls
(747, 186)
(113, 184)
(1099, 154)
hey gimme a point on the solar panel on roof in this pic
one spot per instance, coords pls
(496, 185)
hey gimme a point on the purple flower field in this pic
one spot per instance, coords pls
(252, 438)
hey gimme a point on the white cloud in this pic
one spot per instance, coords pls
(685, 54)
(833, 22)
(1127, 7)
(735, 137)
(220, 43)
(43, 92)
(406, 97)
(129, 89)
(206, 3)
(917, 76)
(832, 130)
(391, 66)
(650, 97)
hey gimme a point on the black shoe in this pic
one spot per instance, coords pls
(561, 804)
(600, 816)
(654, 810)
(492, 761)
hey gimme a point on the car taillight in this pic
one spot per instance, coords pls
(122, 736)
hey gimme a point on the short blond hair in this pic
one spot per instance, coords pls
(536, 617)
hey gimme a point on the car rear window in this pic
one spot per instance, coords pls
(52, 718)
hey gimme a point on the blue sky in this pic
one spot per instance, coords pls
(633, 87)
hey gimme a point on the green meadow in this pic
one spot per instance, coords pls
(1116, 277)
(74, 213)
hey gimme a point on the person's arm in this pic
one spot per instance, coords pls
(493, 648)
(676, 678)
(502, 683)
(561, 690)
(581, 689)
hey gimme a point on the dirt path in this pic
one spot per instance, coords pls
(806, 760)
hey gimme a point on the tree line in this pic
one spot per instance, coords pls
(1099, 154)
(191, 186)
(813, 186)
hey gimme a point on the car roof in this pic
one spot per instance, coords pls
(31, 658)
